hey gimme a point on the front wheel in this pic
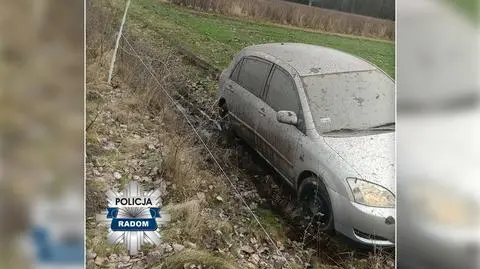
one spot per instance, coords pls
(316, 205)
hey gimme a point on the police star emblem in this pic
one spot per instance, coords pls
(134, 217)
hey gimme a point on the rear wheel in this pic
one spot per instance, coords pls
(316, 205)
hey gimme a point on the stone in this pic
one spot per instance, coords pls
(100, 260)
(151, 147)
(117, 175)
(146, 179)
(262, 250)
(124, 265)
(125, 258)
(110, 146)
(190, 244)
(280, 246)
(178, 247)
(201, 196)
(167, 248)
(263, 264)
(279, 261)
(254, 258)
(91, 255)
(113, 258)
(247, 249)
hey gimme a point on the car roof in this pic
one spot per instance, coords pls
(310, 60)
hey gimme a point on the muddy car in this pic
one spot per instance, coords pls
(325, 121)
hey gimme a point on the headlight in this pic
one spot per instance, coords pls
(370, 194)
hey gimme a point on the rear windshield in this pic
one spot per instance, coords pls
(356, 100)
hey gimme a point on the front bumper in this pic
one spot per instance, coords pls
(363, 224)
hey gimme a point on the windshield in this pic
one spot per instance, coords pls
(352, 101)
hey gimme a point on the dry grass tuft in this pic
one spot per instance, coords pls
(197, 257)
(298, 15)
(95, 198)
(189, 214)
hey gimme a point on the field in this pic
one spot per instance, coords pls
(290, 13)
(217, 38)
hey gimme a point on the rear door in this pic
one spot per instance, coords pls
(245, 89)
(278, 141)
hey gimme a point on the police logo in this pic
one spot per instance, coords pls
(134, 217)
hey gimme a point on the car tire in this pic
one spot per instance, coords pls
(316, 204)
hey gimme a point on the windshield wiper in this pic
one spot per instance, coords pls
(342, 130)
(389, 124)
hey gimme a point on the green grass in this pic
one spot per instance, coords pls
(198, 257)
(468, 7)
(217, 38)
(271, 223)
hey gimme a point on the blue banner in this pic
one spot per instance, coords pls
(133, 224)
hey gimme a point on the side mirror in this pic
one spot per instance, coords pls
(287, 117)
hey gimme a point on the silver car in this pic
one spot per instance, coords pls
(325, 121)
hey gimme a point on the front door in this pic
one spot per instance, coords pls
(278, 141)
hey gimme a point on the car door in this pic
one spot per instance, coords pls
(276, 141)
(245, 89)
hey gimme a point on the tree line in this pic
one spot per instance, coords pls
(384, 9)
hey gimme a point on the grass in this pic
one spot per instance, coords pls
(217, 38)
(468, 7)
(196, 257)
(271, 223)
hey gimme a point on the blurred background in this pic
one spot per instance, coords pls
(438, 132)
(41, 133)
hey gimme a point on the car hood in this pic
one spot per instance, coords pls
(371, 156)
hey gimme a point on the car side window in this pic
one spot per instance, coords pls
(282, 94)
(236, 70)
(253, 74)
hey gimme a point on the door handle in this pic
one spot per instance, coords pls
(262, 111)
(228, 87)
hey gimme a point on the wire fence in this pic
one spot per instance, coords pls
(202, 141)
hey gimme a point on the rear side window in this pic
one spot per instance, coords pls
(252, 75)
(234, 75)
